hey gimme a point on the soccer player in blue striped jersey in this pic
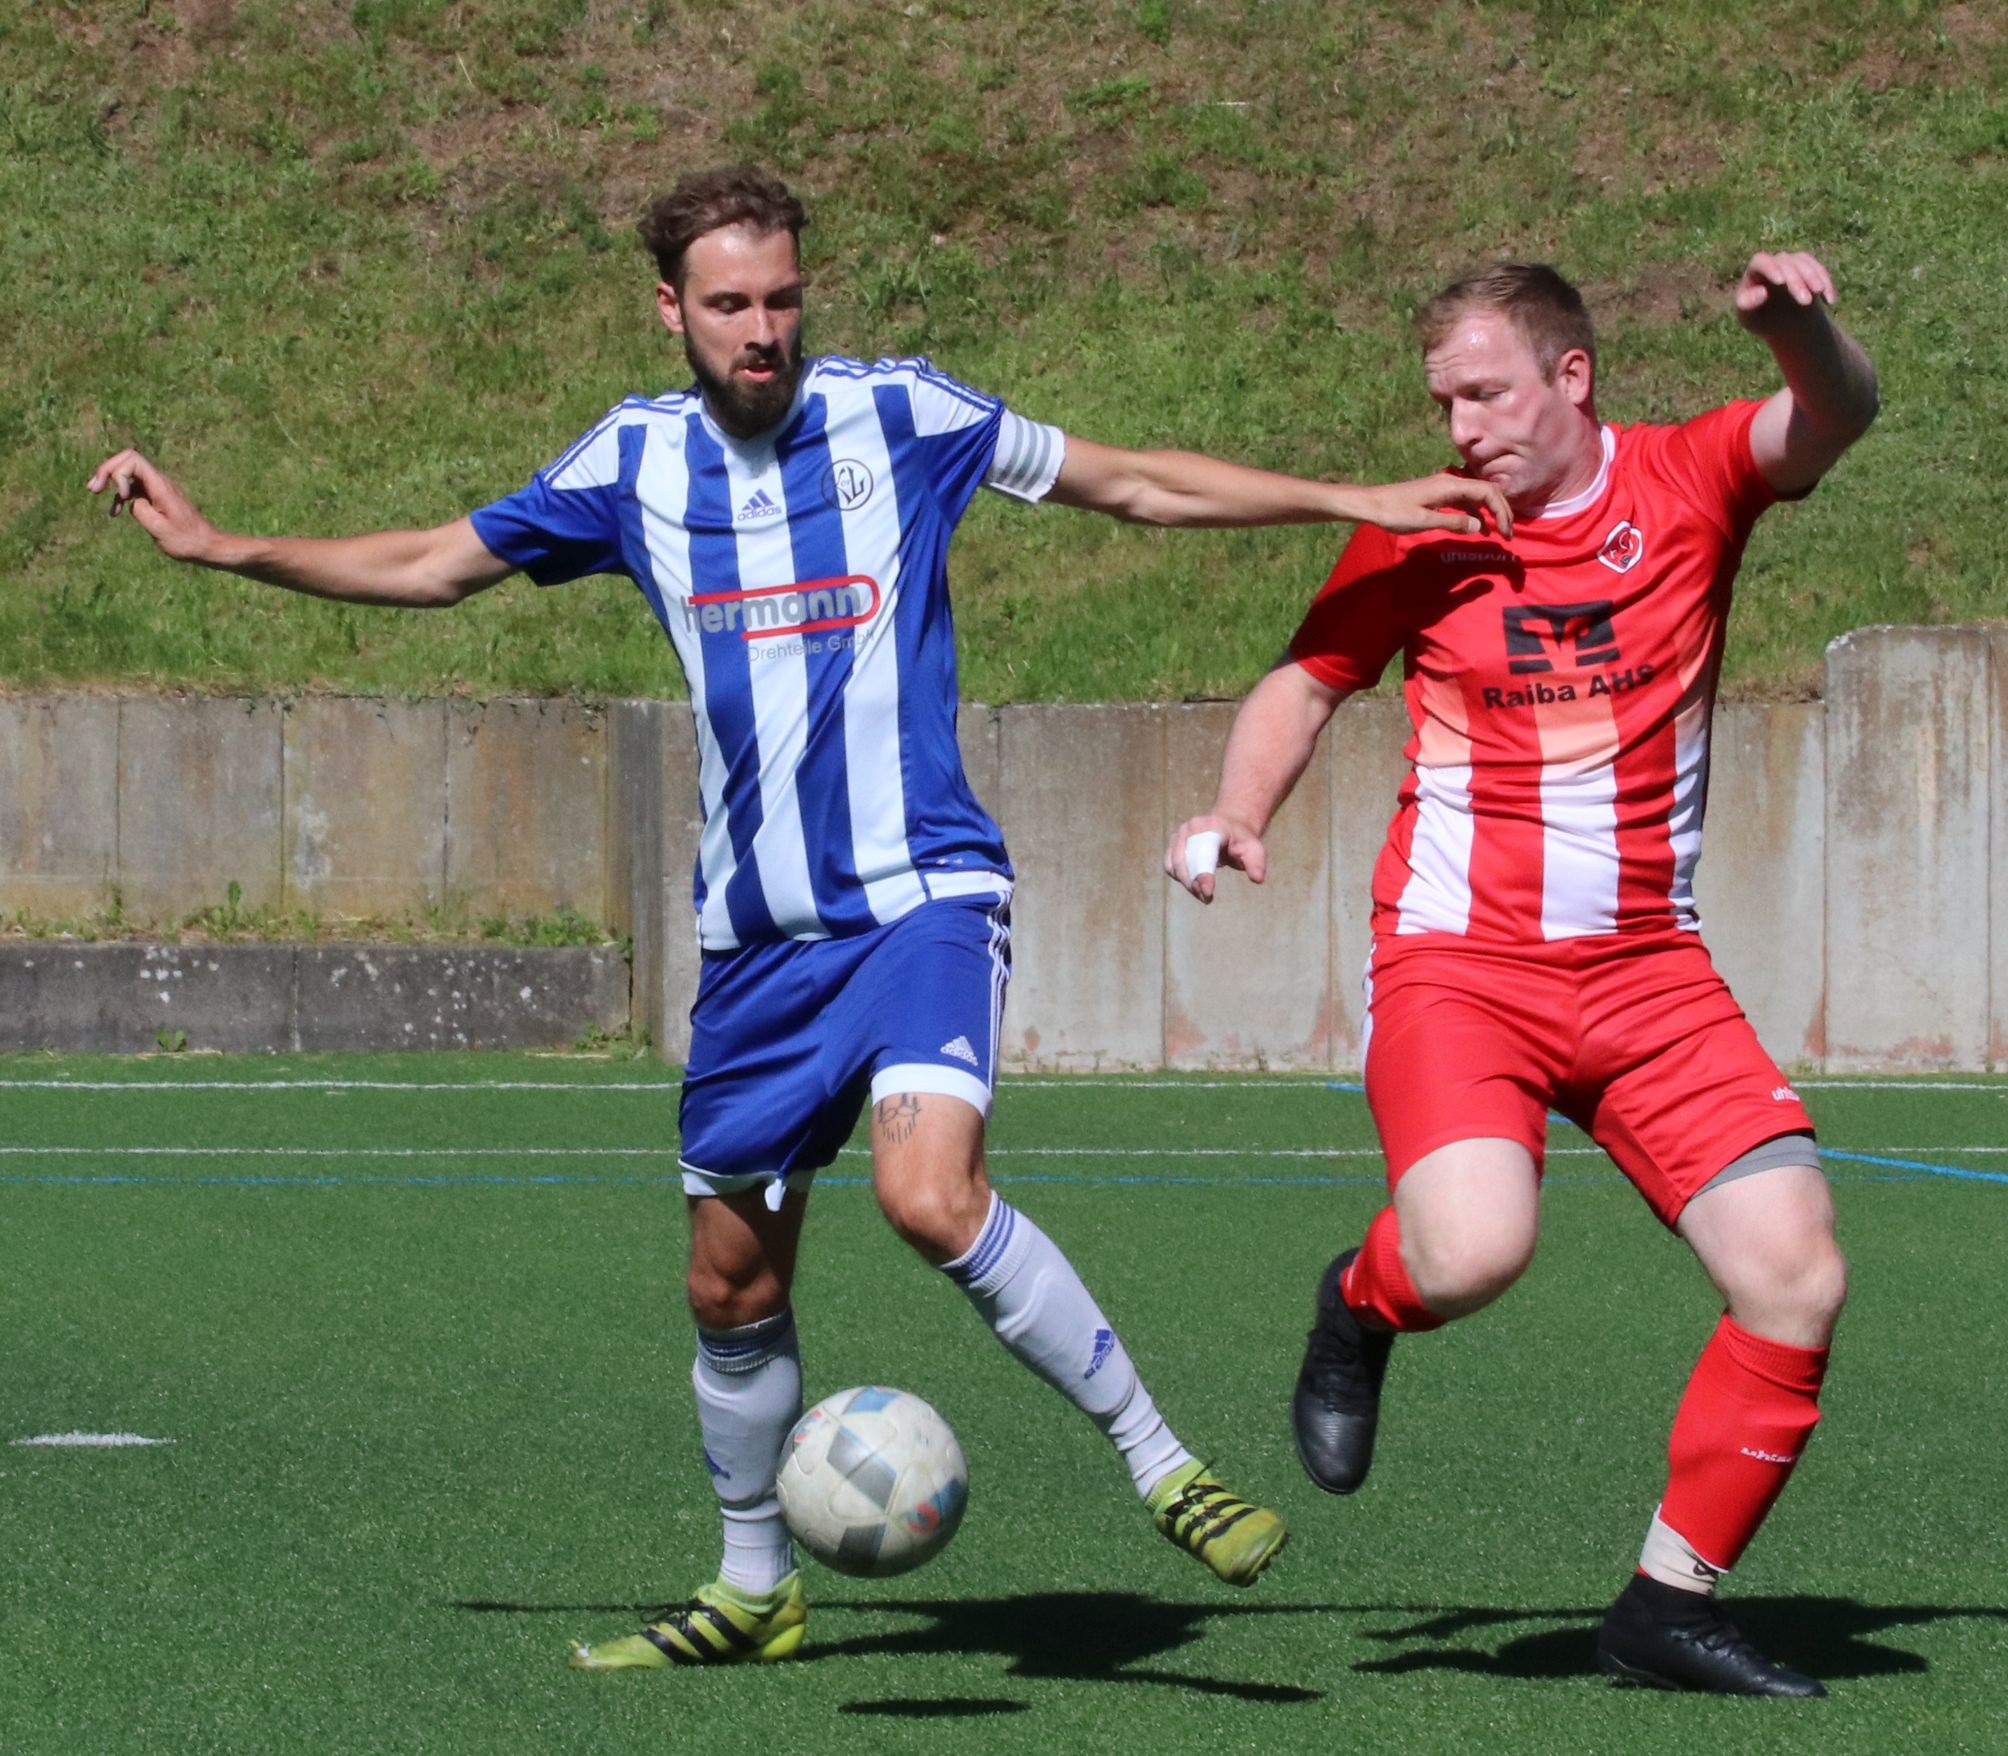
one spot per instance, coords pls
(787, 520)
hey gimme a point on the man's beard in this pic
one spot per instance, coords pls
(744, 409)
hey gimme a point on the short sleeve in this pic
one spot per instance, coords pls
(1354, 625)
(1709, 463)
(957, 429)
(564, 523)
(1027, 460)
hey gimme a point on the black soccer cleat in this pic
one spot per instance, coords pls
(1657, 1636)
(1336, 1406)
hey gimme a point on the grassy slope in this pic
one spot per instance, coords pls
(345, 266)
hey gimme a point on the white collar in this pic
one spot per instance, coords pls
(1593, 493)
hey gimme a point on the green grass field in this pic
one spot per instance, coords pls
(414, 1329)
(344, 266)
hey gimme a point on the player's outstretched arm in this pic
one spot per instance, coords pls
(1189, 489)
(411, 569)
(1267, 751)
(1830, 394)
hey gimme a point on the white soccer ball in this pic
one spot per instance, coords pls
(873, 1481)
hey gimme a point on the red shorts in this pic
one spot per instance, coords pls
(1638, 1042)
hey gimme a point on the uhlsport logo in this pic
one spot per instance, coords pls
(809, 606)
(1623, 547)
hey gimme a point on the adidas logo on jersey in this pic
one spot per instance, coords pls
(960, 1049)
(759, 504)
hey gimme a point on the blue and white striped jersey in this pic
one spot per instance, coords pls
(802, 578)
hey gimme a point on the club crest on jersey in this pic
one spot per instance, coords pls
(1623, 547)
(808, 606)
(847, 484)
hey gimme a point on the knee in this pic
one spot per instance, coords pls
(1815, 1288)
(1793, 1295)
(1461, 1269)
(939, 1219)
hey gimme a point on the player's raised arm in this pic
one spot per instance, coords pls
(410, 569)
(1830, 394)
(1189, 489)
(1268, 750)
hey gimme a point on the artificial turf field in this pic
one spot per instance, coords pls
(414, 1328)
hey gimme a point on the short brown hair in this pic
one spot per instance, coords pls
(705, 201)
(1544, 307)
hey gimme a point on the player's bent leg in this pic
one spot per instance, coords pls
(1767, 1241)
(927, 1169)
(742, 1255)
(1461, 1230)
(1766, 1238)
(1470, 1214)
(747, 1378)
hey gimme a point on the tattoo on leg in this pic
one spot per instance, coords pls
(897, 1117)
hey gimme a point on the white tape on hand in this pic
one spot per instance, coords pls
(1202, 852)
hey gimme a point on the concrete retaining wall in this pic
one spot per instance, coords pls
(340, 807)
(1855, 888)
(126, 998)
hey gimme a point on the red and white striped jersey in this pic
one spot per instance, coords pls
(1559, 684)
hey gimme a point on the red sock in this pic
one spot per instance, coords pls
(1377, 1286)
(1745, 1417)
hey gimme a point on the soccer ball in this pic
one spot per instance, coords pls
(873, 1481)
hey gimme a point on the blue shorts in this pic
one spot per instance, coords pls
(787, 1040)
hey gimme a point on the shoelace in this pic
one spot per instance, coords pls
(671, 1612)
(1337, 1364)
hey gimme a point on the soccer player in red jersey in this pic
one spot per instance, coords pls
(1536, 944)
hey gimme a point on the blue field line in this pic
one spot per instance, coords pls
(1901, 1171)
(1955, 1172)
(1826, 1152)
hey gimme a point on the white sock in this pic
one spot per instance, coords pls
(749, 1393)
(1670, 1558)
(1028, 1292)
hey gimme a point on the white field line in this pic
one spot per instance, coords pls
(101, 1441)
(1980, 1084)
(285, 1085)
(664, 1152)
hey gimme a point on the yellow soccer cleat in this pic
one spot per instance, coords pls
(721, 1625)
(1232, 1537)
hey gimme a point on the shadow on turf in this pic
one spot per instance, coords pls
(947, 1707)
(1827, 1637)
(1073, 1636)
(1077, 1636)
